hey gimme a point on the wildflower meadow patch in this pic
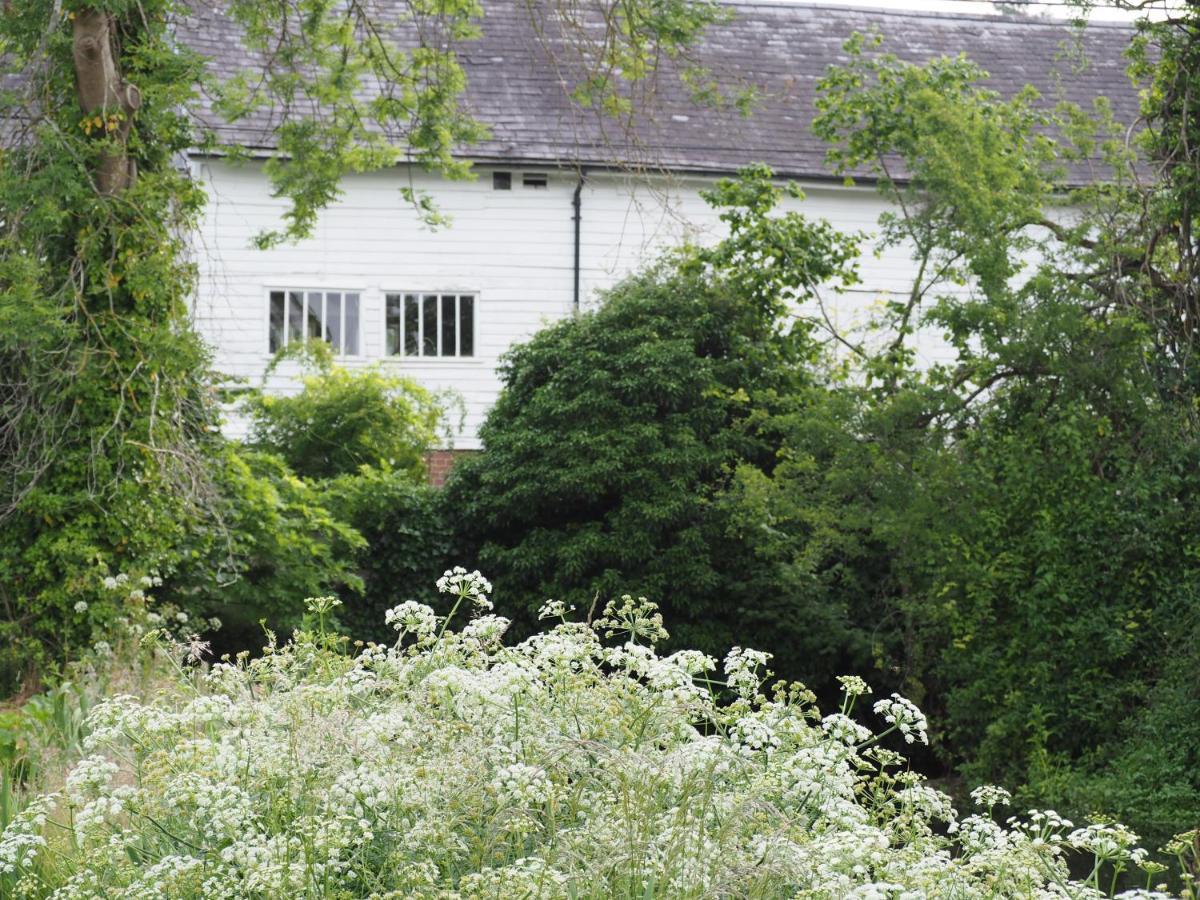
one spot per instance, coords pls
(578, 763)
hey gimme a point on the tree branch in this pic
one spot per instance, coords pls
(104, 93)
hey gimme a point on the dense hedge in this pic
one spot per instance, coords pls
(343, 419)
(408, 542)
(605, 456)
(610, 449)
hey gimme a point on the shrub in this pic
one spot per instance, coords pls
(267, 538)
(85, 519)
(55, 556)
(560, 767)
(1148, 771)
(1026, 572)
(1066, 586)
(604, 455)
(407, 542)
(610, 447)
(344, 419)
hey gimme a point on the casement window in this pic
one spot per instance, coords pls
(420, 324)
(332, 316)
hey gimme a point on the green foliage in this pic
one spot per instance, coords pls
(1010, 536)
(1147, 772)
(104, 412)
(407, 542)
(616, 435)
(604, 454)
(1153, 244)
(369, 528)
(320, 58)
(37, 739)
(966, 173)
(347, 418)
(1097, 556)
(266, 541)
(107, 425)
(844, 518)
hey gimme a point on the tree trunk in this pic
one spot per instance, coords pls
(102, 92)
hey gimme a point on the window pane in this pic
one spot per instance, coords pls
(277, 337)
(295, 316)
(350, 347)
(412, 324)
(391, 324)
(448, 324)
(429, 336)
(313, 330)
(333, 321)
(466, 327)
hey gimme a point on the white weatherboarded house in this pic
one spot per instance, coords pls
(563, 207)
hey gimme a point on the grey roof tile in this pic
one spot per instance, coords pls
(780, 49)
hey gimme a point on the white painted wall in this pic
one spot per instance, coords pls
(512, 249)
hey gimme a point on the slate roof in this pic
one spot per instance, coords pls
(780, 49)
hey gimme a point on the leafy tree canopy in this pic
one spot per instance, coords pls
(109, 457)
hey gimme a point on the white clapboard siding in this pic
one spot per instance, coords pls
(514, 250)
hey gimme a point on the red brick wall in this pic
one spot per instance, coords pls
(439, 463)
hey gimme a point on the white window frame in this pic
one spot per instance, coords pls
(323, 291)
(437, 358)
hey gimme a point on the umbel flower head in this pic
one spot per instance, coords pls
(322, 605)
(411, 617)
(904, 717)
(464, 585)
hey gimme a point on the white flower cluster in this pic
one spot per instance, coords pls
(23, 839)
(411, 617)
(843, 728)
(522, 785)
(457, 767)
(742, 670)
(89, 777)
(486, 629)
(639, 619)
(853, 685)
(904, 717)
(1108, 842)
(554, 609)
(470, 586)
(987, 796)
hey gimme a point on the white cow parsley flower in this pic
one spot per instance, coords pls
(411, 617)
(904, 716)
(522, 784)
(988, 795)
(466, 585)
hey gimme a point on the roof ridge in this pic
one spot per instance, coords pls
(993, 17)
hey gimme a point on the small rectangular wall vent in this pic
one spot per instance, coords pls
(536, 180)
(502, 181)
